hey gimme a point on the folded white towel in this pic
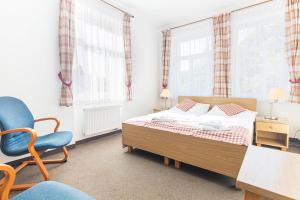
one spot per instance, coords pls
(212, 125)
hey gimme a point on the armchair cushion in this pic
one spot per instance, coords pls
(18, 145)
(15, 114)
(51, 190)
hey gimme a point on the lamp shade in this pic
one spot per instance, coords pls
(165, 93)
(276, 94)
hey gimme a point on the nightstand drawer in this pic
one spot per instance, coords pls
(271, 127)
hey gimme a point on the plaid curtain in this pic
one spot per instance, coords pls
(222, 46)
(127, 49)
(66, 50)
(292, 29)
(166, 45)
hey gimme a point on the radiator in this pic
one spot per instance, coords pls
(101, 119)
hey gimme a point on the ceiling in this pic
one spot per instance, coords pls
(175, 12)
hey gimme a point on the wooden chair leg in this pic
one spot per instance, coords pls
(54, 161)
(20, 167)
(7, 181)
(41, 167)
(62, 160)
(40, 163)
(20, 187)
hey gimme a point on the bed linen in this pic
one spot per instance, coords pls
(236, 130)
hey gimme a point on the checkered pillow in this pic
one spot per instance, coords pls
(186, 105)
(231, 109)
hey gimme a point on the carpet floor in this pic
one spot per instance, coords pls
(104, 170)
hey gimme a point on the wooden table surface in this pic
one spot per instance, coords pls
(270, 173)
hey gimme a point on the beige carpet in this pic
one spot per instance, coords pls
(104, 170)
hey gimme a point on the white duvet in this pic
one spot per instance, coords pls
(206, 121)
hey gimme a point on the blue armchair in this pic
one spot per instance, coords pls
(48, 190)
(18, 137)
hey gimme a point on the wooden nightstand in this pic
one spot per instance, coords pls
(155, 110)
(272, 132)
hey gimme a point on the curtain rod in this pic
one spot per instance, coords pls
(239, 9)
(119, 9)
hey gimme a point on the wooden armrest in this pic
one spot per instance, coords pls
(7, 181)
(48, 119)
(31, 132)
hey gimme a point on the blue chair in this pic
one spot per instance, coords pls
(48, 190)
(18, 137)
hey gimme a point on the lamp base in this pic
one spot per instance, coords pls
(271, 118)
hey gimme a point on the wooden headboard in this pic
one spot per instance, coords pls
(247, 103)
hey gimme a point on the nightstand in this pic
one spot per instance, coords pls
(155, 110)
(272, 132)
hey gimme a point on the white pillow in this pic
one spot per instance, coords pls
(174, 110)
(199, 109)
(248, 114)
(216, 111)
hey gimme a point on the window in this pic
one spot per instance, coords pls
(258, 51)
(99, 61)
(191, 68)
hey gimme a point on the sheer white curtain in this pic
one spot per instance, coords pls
(99, 61)
(258, 51)
(191, 67)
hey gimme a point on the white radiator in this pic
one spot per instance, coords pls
(101, 119)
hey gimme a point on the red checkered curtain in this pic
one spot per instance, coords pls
(292, 18)
(127, 51)
(222, 85)
(166, 48)
(66, 50)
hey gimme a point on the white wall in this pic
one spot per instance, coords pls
(29, 62)
(29, 58)
(145, 69)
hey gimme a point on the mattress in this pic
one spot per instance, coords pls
(236, 130)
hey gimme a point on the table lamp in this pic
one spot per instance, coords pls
(165, 94)
(275, 95)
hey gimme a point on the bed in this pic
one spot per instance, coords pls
(216, 156)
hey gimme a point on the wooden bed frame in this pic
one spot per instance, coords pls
(221, 157)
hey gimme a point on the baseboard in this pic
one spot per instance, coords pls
(85, 140)
(56, 151)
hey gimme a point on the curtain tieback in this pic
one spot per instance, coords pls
(64, 82)
(295, 81)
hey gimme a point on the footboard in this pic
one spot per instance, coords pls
(223, 158)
